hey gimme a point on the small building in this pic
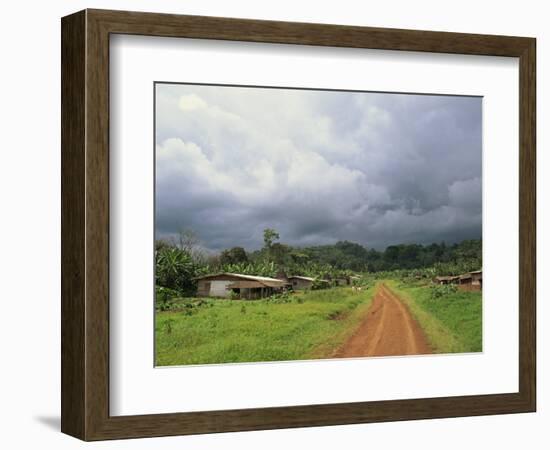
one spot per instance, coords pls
(225, 285)
(341, 281)
(447, 279)
(299, 282)
(477, 278)
(471, 281)
(465, 279)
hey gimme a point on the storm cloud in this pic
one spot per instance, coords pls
(317, 166)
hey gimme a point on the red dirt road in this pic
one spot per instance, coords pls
(387, 330)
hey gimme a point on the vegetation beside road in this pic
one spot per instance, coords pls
(304, 325)
(451, 319)
(307, 324)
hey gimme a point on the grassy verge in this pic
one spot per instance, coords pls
(452, 323)
(310, 325)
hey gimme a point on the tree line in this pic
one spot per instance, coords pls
(179, 261)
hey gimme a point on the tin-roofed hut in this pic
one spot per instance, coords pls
(224, 285)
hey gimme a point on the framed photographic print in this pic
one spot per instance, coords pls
(272, 225)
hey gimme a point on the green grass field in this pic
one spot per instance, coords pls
(310, 325)
(452, 323)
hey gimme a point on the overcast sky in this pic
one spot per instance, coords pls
(317, 166)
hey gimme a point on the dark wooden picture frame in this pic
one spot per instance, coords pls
(85, 224)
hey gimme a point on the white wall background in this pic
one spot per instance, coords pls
(30, 224)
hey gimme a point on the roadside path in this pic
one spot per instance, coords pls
(388, 329)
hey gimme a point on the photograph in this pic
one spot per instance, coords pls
(310, 224)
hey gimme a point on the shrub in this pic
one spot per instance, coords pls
(188, 309)
(319, 284)
(335, 314)
(443, 290)
(176, 269)
(164, 293)
(164, 296)
(283, 297)
(168, 326)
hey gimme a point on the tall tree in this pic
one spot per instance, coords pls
(270, 236)
(188, 240)
(235, 255)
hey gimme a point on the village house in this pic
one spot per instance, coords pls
(447, 279)
(299, 282)
(226, 285)
(471, 281)
(341, 281)
(477, 279)
(465, 281)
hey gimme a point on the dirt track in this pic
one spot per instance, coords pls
(388, 329)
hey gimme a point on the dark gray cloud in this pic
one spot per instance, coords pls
(317, 166)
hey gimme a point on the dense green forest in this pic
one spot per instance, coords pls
(179, 261)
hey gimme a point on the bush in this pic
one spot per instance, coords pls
(168, 326)
(187, 312)
(175, 269)
(164, 293)
(335, 314)
(443, 290)
(164, 296)
(319, 284)
(283, 297)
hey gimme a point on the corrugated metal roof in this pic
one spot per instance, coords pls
(302, 278)
(242, 276)
(447, 278)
